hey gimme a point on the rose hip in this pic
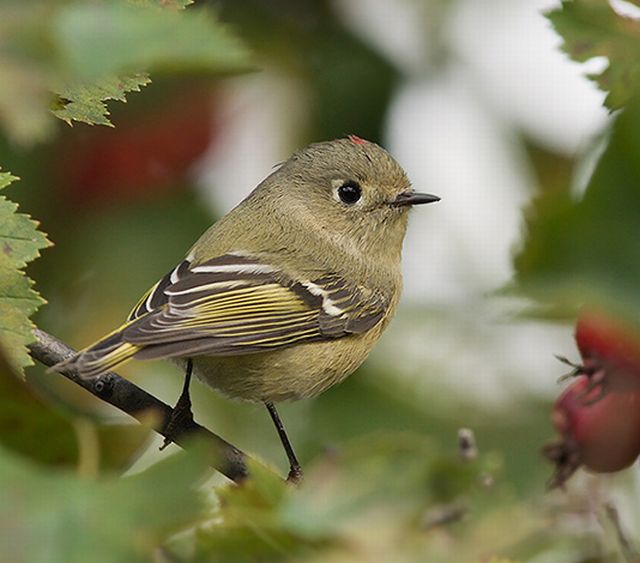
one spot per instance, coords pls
(598, 416)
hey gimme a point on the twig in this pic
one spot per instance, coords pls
(467, 449)
(443, 516)
(628, 551)
(133, 400)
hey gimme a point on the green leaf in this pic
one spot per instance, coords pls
(247, 526)
(120, 444)
(56, 516)
(6, 178)
(85, 103)
(105, 39)
(18, 301)
(20, 239)
(591, 28)
(585, 250)
(20, 243)
(30, 426)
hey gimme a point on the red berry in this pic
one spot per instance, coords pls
(608, 343)
(598, 429)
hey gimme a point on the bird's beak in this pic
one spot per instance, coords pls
(410, 197)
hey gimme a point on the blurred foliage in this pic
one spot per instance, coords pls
(592, 28)
(98, 39)
(349, 84)
(582, 248)
(67, 58)
(56, 516)
(51, 512)
(386, 497)
(384, 477)
(39, 431)
(52, 432)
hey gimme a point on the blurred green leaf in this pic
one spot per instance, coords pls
(55, 516)
(20, 239)
(69, 57)
(25, 69)
(85, 103)
(592, 28)
(246, 526)
(384, 473)
(585, 250)
(20, 243)
(97, 40)
(377, 493)
(30, 426)
(388, 497)
(120, 444)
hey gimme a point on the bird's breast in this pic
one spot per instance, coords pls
(291, 373)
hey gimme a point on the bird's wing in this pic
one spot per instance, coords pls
(234, 304)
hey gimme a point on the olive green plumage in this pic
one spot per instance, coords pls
(287, 294)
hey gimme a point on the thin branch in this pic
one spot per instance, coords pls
(128, 397)
(443, 516)
(628, 550)
(467, 448)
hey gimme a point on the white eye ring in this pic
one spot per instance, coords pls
(347, 192)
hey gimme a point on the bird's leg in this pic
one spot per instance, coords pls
(182, 411)
(295, 471)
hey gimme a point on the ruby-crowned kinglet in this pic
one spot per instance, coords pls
(286, 294)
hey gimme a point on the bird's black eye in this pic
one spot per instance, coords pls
(349, 192)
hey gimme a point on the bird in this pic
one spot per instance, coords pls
(285, 295)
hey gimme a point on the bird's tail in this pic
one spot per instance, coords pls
(108, 352)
